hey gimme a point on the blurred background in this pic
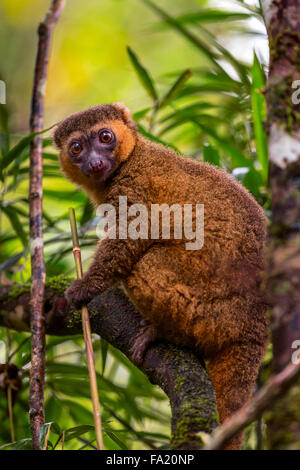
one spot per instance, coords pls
(192, 73)
(89, 63)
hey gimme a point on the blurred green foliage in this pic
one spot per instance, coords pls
(170, 63)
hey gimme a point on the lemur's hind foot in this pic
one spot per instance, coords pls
(142, 340)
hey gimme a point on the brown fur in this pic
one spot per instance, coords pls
(208, 299)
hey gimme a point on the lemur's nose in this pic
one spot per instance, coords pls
(96, 166)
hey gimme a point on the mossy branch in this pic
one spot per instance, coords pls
(177, 371)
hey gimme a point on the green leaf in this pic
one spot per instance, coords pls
(253, 181)
(201, 45)
(240, 67)
(72, 433)
(16, 223)
(79, 413)
(104, 351)
(43, 433)
(4, 143)
(23, 444)
(152, 137)
(175, 88)
(187, 111)
(11, 261)
(237, 157)
(121, 444)
(202, 117)
(73, 195)
(4, 116)
(138, 115)
(211, 15)
(19, 147)
(87, 212)
(211, 155)
(143, 75)
(259, 115)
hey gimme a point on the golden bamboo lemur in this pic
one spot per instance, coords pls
(206, 299)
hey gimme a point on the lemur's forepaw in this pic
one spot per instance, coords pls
(78, 294)
(141, 341)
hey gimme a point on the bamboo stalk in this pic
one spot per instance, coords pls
(47, 437)
(10, 412)
(87, 337)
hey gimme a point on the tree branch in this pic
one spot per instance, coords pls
(38, 271)
(274, 389)
(177, 371)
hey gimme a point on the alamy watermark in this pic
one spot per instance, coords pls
(296, 354)
(2, 92)
(162, 222)
(296, 94)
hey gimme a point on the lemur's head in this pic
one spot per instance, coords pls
(93, 143)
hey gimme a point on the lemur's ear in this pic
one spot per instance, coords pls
(55, 138)
(126, 114)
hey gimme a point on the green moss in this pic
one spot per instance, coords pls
(184, 433)
(74, 319)
(279, 90)
(280, 106)
(198, 415)
(285, 43)
(19, 289)
(58, 284)
(93, 313)
(16, 290)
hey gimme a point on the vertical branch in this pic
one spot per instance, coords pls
(87, 337)
(283, 26)
(10, 413)
(36, 229)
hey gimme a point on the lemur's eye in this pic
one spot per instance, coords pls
(76, 148)
(106, 137)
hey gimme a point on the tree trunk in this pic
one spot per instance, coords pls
(283, 284)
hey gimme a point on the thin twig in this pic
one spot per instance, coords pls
(38, 272)
(267, 395)
(47, 437)
(20, 346)
(87, 337)
(10, 413)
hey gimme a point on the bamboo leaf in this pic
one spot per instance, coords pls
(140, 114)
(143, 75)
(16, 223)
(11, 261)
(23, 444)
(211, 15)
(104, 351)
(259, 115)
(175, 88)
(73, 433)
(121, 444)
(237, 157)
(201, 45)
(211, 155)
(19, 147)
(152, 137)
(87, 212)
